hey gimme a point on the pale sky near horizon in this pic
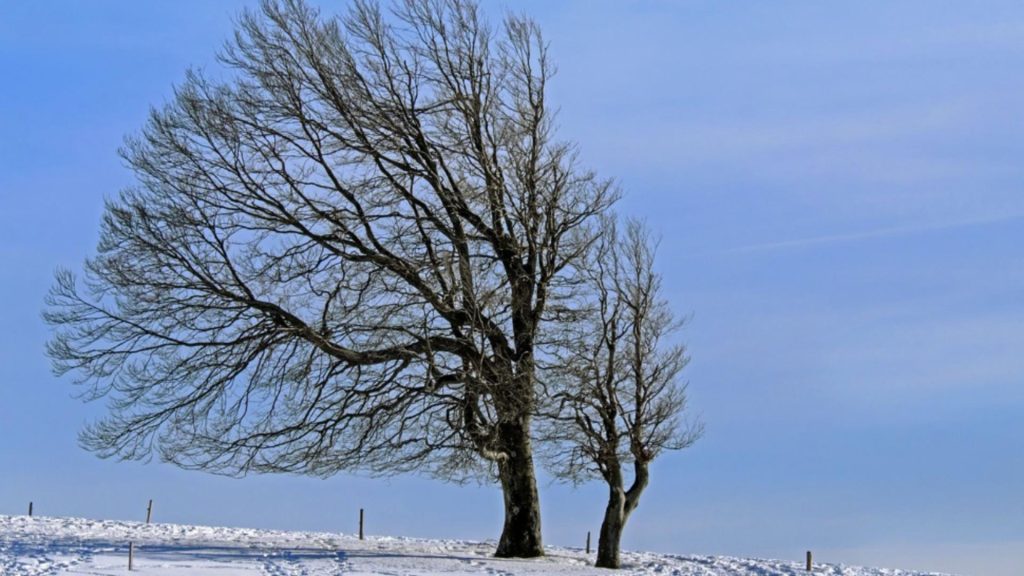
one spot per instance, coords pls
(838, 190)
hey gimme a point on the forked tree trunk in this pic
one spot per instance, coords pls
(521, 536)
(611, 529)
(621, 503)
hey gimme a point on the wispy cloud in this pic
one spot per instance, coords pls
(879, 233)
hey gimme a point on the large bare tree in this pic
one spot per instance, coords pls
(617, 401)
(339, 256)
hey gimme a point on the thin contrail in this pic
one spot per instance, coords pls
(870, 234)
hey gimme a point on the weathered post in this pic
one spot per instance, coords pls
(29, 508)
(131, 555)
(360, 523)
(588, 541)
(809, 567)
(149, 511)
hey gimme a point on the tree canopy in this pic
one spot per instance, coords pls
(358, 246)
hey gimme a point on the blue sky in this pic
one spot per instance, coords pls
(838, 188)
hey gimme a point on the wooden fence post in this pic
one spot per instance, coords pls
(131, 555)
(29, 508)
(149, 511)
(809, 567)
(588, 542)
(360, 523)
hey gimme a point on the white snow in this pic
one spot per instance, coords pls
(34, 546)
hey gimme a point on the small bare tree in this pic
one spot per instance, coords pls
(619, 400)
(340, 257)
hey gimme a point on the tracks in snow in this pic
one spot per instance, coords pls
(29, 559)
(304, 563)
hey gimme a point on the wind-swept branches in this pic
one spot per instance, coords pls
(617, 402)
(340, 257)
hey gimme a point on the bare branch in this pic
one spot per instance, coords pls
(341, 256)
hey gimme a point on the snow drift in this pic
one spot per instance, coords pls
(34, 546)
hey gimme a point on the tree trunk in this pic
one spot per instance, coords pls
(520, 537)
(611, 529)
(621, 504)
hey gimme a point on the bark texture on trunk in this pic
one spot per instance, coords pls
(621, 503)
(521, 535)
(611, 530)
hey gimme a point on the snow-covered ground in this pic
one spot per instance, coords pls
(74, 546)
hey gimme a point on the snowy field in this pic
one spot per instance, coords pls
(38, 545)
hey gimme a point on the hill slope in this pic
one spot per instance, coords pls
(73, 546)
